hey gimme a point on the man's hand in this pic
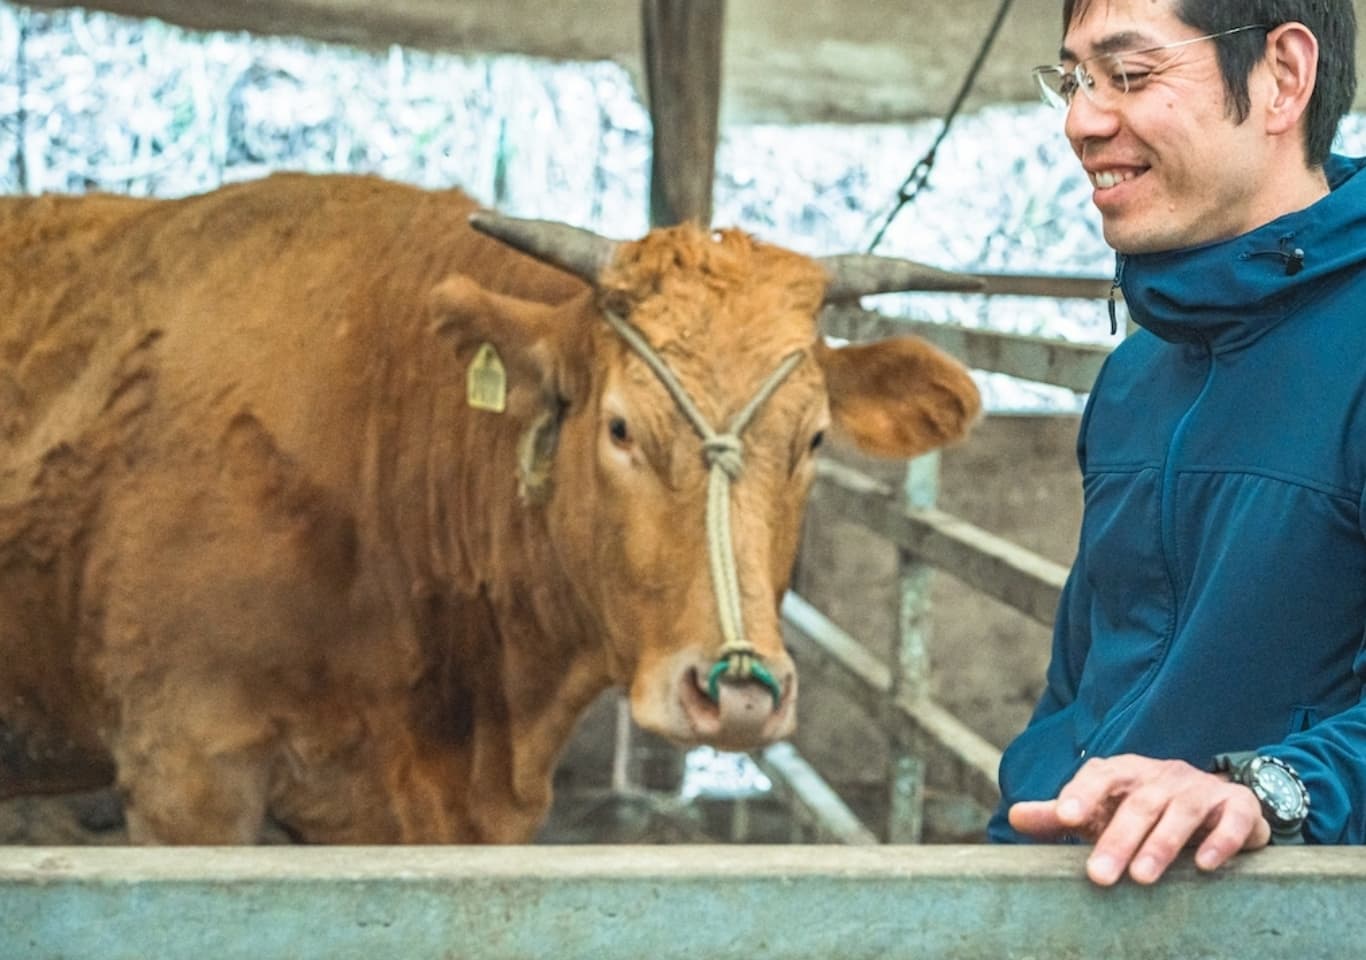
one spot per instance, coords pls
(1142, 812)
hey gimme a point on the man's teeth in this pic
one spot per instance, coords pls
(1108, 178)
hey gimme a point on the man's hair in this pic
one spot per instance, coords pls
(1333, 22)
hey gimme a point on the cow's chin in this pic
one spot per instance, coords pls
(672, 701)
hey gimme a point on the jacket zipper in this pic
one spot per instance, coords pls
(1114, 286)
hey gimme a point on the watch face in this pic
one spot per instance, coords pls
(1280, 790)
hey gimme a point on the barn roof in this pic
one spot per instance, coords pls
(797, 61)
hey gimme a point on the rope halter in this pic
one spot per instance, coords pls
(724, 456)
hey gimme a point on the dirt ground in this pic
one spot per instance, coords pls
(1015, 477)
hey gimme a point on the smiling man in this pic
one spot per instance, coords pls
(1206, 684)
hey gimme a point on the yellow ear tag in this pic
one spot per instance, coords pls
(486, 382)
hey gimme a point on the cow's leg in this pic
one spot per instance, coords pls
(179, 795)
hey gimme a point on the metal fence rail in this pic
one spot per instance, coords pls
(605, 903)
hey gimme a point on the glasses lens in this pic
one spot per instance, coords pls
(1055, 86)
(1109, 79)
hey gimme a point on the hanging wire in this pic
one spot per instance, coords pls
(920, 173)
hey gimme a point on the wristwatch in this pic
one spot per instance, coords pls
(1279, 789)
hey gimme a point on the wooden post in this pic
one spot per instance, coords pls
(910, 664)
(683, 73)
(683, 77)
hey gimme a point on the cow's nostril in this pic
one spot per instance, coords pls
(750, 668)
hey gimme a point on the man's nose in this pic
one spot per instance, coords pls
(1089, 120)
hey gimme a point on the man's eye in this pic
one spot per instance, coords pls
(1067, 87)
(1127, 74)
(1118, 78)
(1134, 79)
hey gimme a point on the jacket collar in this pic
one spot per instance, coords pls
(1229, 292)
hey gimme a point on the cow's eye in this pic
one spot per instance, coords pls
(817, 439)
(621, 433)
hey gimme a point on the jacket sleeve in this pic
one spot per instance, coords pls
(1072, 622)
(1071, 643)
(1331, 758)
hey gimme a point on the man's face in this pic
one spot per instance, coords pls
(1169, 166)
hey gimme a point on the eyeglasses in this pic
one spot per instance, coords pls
(1108, 77)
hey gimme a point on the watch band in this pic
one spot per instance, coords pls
(1231, 763)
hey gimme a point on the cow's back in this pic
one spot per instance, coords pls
(144, 339)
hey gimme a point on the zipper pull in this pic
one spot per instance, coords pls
(1119, 275)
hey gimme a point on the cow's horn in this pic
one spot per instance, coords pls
(854, 275)
(581, 252)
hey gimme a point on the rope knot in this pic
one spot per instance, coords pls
(724, 450)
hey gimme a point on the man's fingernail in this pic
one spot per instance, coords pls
(1070, 810)
(1207, 859)
(1145, 869)
(1102, 868)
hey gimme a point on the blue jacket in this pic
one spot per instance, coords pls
(1218, 598)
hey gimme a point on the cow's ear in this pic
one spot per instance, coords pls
(537, 343)
(541, 357)
(899, 397)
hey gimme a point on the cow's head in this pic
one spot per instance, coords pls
(679, 405)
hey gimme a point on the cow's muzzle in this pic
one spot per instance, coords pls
(733, 713)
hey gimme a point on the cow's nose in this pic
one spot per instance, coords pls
(744, 714)
(744, 707)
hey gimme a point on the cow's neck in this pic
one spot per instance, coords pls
(497, 619)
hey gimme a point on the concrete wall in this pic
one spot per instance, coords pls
(625, 903)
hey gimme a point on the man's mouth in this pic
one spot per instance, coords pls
(1105, 179)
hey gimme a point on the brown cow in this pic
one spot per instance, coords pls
(318, 505)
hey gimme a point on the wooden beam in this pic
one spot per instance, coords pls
(683, 74)
(990, 564)
(955, 755)
(1044, 285)
(569, 30)
(1041, 359)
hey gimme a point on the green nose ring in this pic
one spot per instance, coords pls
(742, 666)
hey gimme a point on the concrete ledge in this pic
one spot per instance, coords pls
(705, 902)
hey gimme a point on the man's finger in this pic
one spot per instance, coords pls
(1037, 819)
(1117, 844)
(1085, 800)
(1186, 815)
(1240, 826)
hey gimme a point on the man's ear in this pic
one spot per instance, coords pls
(1292, 55)
(899, 397)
